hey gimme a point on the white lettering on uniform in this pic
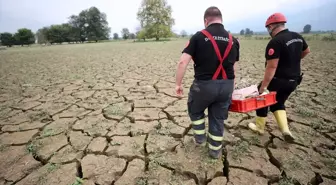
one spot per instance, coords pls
(218, 38)
(292, 41)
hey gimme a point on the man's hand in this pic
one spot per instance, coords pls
(261, 89)
(181, 69)
(179, 90)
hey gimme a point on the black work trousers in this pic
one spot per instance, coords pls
(216, 96)
(284, 88)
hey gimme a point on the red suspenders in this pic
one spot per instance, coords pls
(220, 58)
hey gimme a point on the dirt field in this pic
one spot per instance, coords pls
(102, 114)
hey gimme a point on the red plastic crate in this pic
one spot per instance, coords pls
(251, 104)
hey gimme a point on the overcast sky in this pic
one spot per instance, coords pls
(188, 14)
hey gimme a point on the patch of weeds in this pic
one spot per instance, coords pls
(38, 116)
(32, 149)
(3, 147)
(241, 148)
(208, 162)
(141, 181)
(322, 125)
(286, 181)
(254, 140)
(173, 180)
(294, 163)
(78, 181)
(306, 112)
(330, 163)
(52, 167)
(47, 132)
(310, 132)
(156, 160)
(317, 125)
(115, 110)
(115, 143)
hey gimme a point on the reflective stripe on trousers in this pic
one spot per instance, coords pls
(198, 127)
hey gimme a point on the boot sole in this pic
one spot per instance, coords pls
(289, 138)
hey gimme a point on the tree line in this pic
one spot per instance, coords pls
(91, 25)
(155, 18)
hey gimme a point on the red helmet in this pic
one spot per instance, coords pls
(276, 18)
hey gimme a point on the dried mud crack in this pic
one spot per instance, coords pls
(106, 116)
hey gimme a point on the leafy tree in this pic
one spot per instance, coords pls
(307, 28)
(141, 35)
(248, 31)
(242, 32)
(132, 36)
(90, 24)
(78, 28)
(7, 39)
(125, 33)
(97, 25)
(115, 36)
(155, 18)
(184, 33)
(24, 36)
(41, 35)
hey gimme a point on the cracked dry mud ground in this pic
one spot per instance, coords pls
(106, 113)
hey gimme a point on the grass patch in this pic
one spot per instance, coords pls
(47, 132)
(294, 164)
(115, 110)
(3, 147)
(254, 140)
(141, 181)
(78, 181)
(32, 149)
(38, 116)
(52, 167)
(115, 143)
(241, 148)
(330, 163)
(322, 125)
(286, 181)
(304, 111)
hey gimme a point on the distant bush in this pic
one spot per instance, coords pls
(262, 38)
(331, 37)
(307, 38)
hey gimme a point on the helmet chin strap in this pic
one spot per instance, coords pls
(272, 30)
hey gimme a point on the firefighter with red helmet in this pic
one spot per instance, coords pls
(283, 72)
(214, 52)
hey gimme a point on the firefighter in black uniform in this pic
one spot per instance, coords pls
(283, 71)
(214, 52)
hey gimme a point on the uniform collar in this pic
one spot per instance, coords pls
(282, 31)
(216, 24)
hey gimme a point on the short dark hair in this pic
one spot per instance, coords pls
(212, 12)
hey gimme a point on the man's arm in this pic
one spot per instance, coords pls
(269, 73)
(272, 59)
(182, 67)
(235, 64)
(305, 48)
(305, 53)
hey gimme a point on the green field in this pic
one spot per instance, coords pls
(107, 113)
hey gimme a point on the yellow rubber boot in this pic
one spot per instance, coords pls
(281, 118)
(259, 126)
